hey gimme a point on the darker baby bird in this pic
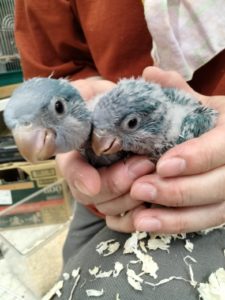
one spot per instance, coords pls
(144, 118)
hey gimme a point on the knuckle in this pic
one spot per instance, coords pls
(220, 191)
(204, 151)
(183, 196)
(205, 161)
(180, 225)
(179, 195)
(115, 185)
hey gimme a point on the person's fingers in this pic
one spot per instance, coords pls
(116, 180)
(194, 156)
(78, 173)
(169, 220)
(123, 223)
(207, 188)
(118, 206)
(179, 220)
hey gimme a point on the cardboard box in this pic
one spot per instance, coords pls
(28, 195)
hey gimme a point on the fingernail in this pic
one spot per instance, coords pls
(82, 188)
(171, 167)
(139, 167)
(148, 224)
(145, 191)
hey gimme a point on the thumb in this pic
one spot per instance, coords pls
(78, 173)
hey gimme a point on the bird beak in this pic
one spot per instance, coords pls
(34, 144)
(104, 144)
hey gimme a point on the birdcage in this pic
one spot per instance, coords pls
(10, 69)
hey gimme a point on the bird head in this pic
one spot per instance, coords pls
(47, 116)
(128, 115)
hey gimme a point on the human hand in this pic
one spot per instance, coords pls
(189, 181)
(106, 188)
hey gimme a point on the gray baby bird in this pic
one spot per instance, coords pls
(144, 118)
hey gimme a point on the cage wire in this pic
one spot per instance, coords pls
(9, 57)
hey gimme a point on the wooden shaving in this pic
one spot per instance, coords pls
(141, 235)
(215, 289)
(206, 231)
(118, 267)
(192, 281)
(107, 248)
(189, 245)
(166, 280)
(94, 293)
(98, 273)
(179, 236)
(104, 274)
(66, 276)
(159, 242)
(94, 271)
(143, 247)
(131, 244)
(149, 266)
(74, 286)
(134, 280)
(117, 296)
(75, 272)
(55, 290)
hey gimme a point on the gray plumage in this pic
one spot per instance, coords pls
(144, 118)
(48, 116)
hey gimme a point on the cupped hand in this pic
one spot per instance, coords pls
(106, 188)
(188, 187)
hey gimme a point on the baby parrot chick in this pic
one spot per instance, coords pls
(48, 116)
(144, 118)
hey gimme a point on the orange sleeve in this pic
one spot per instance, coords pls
(50, 40)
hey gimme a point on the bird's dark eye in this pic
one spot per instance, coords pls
(59, 107)
(132, 123)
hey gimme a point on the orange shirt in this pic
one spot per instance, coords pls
(82, 38)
